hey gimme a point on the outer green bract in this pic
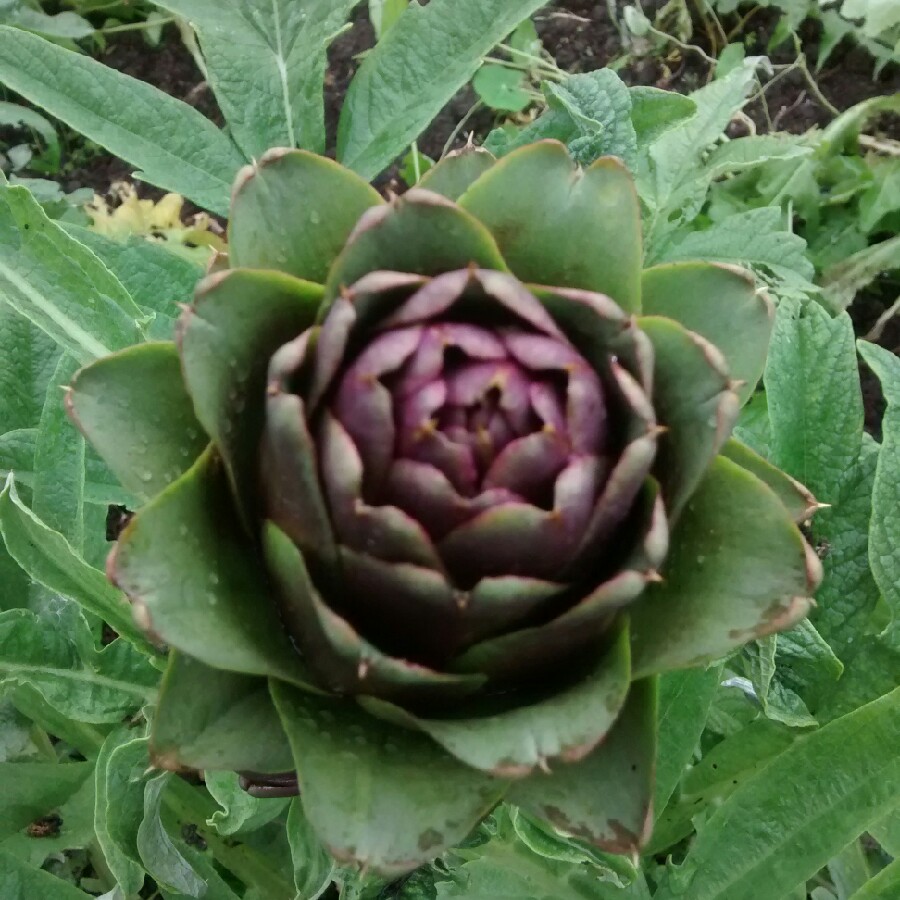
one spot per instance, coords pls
(434, 488)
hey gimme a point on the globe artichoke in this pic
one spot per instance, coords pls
(433, 488)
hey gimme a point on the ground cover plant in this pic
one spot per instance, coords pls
(494, 503)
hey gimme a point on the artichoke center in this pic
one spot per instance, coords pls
(493, 413)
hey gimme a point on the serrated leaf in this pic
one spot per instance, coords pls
(429, 54)
(265, 62)
(777, 829)
(57, 283)
(175, 147)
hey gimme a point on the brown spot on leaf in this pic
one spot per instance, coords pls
(623, 841)
(46, 826)
(430, 839)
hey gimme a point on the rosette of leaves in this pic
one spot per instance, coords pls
(434, 487)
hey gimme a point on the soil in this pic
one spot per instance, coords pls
(581, 36)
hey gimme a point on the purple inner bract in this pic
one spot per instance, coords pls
(452, 419)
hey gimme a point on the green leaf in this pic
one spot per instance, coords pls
(747, 152)
(58, 487)
(304, 245)
(757, 238)
(848, 595)
(797, 500)
(75, 831)
(191, 570)
(17, 455)
(884, 531)
(240, 811)
(157, 279)
(313, 867)
(721, 304)
(162, 859)
(590, 113)
(266, 64)
(119, 805)
(429, 54)
(28, 359)
(240, 318)
(502, 88)
(727, 579)
(777, 829)
(655, 111)
(19, 881)
(669, 181)
(693, 401)
(59, 25)
(523, 860)
(17, 116)
(684, 700)
(556, 224)
(419, 233)
(844, 280)
(883, 886)
(870, 672)
(376, 793)
(210, 719)
(778, 702)
(452, 176)
(103, 686)
(147, 438)
(887, 832)
(384, 15)
(849, 870)
(51, 561)
(599, 105)
(175, 147)
(550, 732)
(735, 759)
(815, 404)
(31, 790)
(816, 415)
(55, 282)
(607, 797)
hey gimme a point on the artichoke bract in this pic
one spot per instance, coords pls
(433, 489)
